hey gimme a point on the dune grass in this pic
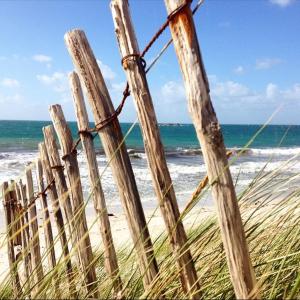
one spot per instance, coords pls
(270, 211)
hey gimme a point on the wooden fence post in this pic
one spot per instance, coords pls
(16, 220)
(26, 233)
(24, 203)
(47, 225)
(37, 267)
(110, 257)
(72, 170)
(153, 146)
(115, 149)
(214, 153)
(7, 205)
(60, 180)
(26, 258)
(46, 216)
(57, 216)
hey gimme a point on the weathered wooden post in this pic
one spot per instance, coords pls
(36, 261)
(115, 149)
(46, 216)
(60, 180)
(58, 217)
(17, 290)
(211, 139)
(24, 203)
(26, 233)
(138, 85)
(26, 258)
(72, 170)
(16, 220)
(110, 257)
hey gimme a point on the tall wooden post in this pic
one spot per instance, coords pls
(16, 216)
(115, 149)
(26, 258)
(25, 232)
(110, 257)
(24, 203)
(60, 180)
(36, 260)
(17, 290)
(57, 216)
(47, 225)
(138, 85)
(214, 153)
(46, 216)
(72, 170)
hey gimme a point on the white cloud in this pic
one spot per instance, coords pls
(10, 82)
(227, 89)
(59, 83)
(267, 63)
(292, 93)
(228, 93)
(271, 91)
(239, 70)
(106, 71)
(173, 92)
(288, 95)
(282, 3)
(118, 87)
(58, 80)
(42, 58)
(11, 99)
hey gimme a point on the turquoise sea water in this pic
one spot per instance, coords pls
(25, 135)
(19, 143)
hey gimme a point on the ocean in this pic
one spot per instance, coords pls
(275, 145)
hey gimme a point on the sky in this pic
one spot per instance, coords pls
(250, 48)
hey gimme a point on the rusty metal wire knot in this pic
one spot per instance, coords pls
(57, 167)
(71, 153)
(42, 193)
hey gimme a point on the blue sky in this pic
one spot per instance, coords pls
(250, 50)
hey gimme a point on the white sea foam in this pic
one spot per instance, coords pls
(185, 171)
(276, 151)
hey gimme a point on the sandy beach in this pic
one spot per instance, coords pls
(121, 234)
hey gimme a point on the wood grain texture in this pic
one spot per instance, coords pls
(75, 190)
(58, 217)
(115, 150)
(157, 163)
(15, 214)
(211, 139)
(13, 267)
(36, 261)
(60, 180)
(46, 216)
(110, 257)
(25, 239)
(24, 203)
(25, 233)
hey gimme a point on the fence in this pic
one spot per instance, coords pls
(58, 176)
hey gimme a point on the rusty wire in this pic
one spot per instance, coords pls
(42, 193)
(126, 93)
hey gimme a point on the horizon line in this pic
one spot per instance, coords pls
(171, 123)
